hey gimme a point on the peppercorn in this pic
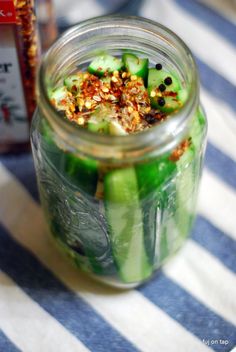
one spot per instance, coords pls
(158, 66)
(162, 87)
(150, 118)
(161, 101)
(168, 81)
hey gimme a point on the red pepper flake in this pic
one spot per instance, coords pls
(179, 151)
(121, 93)
(168, 93)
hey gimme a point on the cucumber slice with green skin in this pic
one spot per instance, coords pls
(105, 63)
(81, 173)
(105, 127)
(176, 218)
(151, 177)
(136, 66)
(106, 80)
(50, 149)
(58, 96)
(189, 166)
(98, 126)
(124, 219)
(185, 192)
(197, 135)
(172, 103)
(88, 245)
(164, 244)
(99, 121)
(116, 129)
(153, 174)
(73, 82)
(155, 79)
(197, 128)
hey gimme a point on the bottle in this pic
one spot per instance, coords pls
(47, 22)
(19, 52)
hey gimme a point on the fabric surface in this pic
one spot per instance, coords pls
(190, 306)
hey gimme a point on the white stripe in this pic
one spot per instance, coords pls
(217, 202)
(205, 278)
(222, 124)
(204, 42)
(74, 12)
(226, 8)
(141, 322)
(29, 326)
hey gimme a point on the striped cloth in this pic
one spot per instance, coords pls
(46, 306)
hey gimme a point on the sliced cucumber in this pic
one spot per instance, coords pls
(171, 103)
(98, 126)
(187, 181)
(87, 244)
(197, 128)
(185, 192)
(153, 174)
(155, 78)
(99, 120)
(116, 129)
(81, 173)
(49, 147)
(106, 80)
(124, 218)
(151, 177)
(164, 244)
(136, 66)
(106, 127)
(105, 63)
(182, 95)
(73, 82)
(59, 97)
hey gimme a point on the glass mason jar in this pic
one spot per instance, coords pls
(119, 206)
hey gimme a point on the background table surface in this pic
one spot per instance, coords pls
(46, 306)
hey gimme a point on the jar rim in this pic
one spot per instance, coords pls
(160, 137)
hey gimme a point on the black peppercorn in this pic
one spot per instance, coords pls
(162, 87)
(150, 118)
(168, 81)
(158, 66)
(161, 101)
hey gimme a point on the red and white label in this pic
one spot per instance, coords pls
(7, 11)
(14, 126)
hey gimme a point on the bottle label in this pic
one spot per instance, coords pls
(14, 125)
(7, 11)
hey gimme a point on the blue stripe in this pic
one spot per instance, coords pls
(69, 309)
(6, 345)
(221, 165)
(216, 84)
(189, 312)
(216, 242)
(212, 18)
(22, 167)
